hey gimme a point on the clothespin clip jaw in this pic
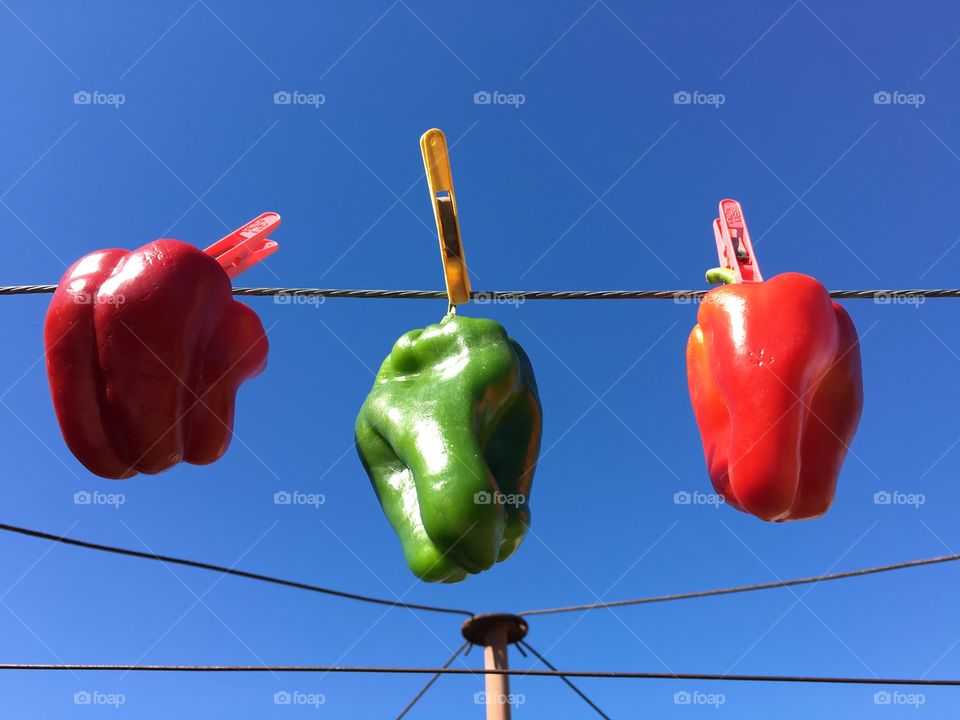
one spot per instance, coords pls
(733, 244)
(246, 246)
(436, 164)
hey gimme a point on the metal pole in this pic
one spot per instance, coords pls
(497, 686)
(495, 631)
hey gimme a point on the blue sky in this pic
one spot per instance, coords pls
(597, 180)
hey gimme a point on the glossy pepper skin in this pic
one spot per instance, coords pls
(145, 351)
(774, 375)
(449, 437)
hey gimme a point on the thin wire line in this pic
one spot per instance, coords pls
(226, 570)
(710, 677)
(432, 680)
(573, 687)
(508, 296)
(747, 588)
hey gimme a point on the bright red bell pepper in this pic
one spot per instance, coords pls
(145, 352)
(774, 375)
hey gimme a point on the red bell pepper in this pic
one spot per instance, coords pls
(145, 352)
(775, 380)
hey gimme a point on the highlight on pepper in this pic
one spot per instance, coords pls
(449, 436)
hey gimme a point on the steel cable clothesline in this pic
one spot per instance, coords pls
(446, 669)
(431, 608)
(507, 296)
(226, 570)
(746, 588)
(371, 669)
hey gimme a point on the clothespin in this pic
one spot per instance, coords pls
(246, 246)
(733, 244)
(436, 163)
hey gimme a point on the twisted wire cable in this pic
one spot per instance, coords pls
(285, 295)
(371, 669)
(64, 540)
(747, 588)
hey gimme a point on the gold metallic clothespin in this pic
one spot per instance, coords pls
(436, 163)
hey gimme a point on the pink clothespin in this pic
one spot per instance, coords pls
(733, 243)
(246, 246)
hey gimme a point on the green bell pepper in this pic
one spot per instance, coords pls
(449, 437)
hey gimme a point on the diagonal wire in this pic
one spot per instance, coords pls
(748, 588)
(432, 680)
(225, 570)
(573, 687)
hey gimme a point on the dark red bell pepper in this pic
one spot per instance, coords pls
(145, 352)
(775, 380)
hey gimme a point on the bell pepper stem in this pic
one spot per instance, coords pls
(720, 275)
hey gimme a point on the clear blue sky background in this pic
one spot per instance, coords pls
(597, 181)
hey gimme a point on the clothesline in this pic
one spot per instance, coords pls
(881, 297)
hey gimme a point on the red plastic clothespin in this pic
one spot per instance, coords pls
(733, 243)
(246, 246)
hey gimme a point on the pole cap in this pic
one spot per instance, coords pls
(475, 628)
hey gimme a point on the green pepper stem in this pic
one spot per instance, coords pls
(720, 275)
